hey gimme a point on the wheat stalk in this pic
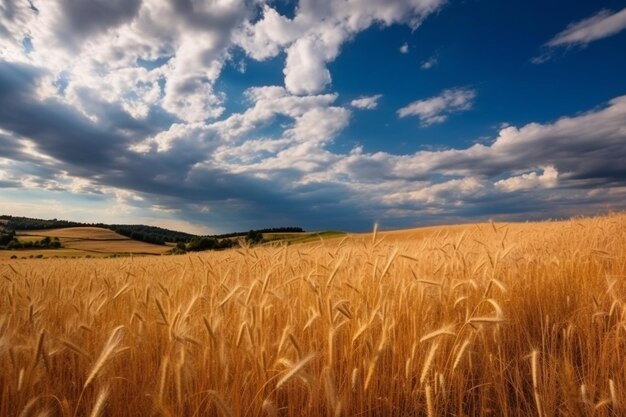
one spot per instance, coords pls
(295, 369)
(98, 407)
(107, 351)
(444, 331)
(428, 362)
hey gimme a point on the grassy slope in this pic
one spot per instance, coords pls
(475, 320)
(301, 237)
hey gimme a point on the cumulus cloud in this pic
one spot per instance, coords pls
(96, 45)
(182, 46)
(314, 36)
(404, 49)
(268, 36)
(305, 70)
(436, 109)
(366, 102)
(451, 192)
(547, 179)
(602, 25)
(137, 54)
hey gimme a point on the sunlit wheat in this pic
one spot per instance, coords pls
(492, 319)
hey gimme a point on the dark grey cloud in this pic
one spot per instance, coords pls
(9, 184)
(8, 148)
(8, 11)
(213, 17)
(80, 19)
(59, 131)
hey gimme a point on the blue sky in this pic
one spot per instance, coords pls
(220, 115)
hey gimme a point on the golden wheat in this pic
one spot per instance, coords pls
(490, 319)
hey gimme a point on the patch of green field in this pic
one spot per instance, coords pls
(302, 237)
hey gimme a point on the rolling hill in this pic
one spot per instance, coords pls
(82, 242)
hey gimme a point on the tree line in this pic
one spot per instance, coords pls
(45, 243)
(201, 243)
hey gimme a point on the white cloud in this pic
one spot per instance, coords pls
(601, 25)
(99, 47)
(436, 109)
(193, 99)
(268, 36)
(319, 124)
(529, 181)
(315, 123)
(429, 63)
(202, 138)
(448, 192)
(191, 75)
(314, 37)
(366, 102)
(305, 70)
(134, 89)
(226, 143)
(404, 49)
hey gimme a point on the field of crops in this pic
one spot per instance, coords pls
(480, 320)
(82, 242)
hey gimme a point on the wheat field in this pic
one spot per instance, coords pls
(82, 241)
(76, 233)
(480, 320)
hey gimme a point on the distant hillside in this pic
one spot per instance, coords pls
(143, 233)
(94, 241)
(76, 233)
(149, 234)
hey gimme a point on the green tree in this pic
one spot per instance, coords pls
(254, 236)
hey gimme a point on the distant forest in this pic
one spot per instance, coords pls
(270, 230)
(149, 234)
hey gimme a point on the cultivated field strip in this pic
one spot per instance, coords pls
(481, 320)
(82, 241)
(76, 233)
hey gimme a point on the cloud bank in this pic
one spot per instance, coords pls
(122, 102)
